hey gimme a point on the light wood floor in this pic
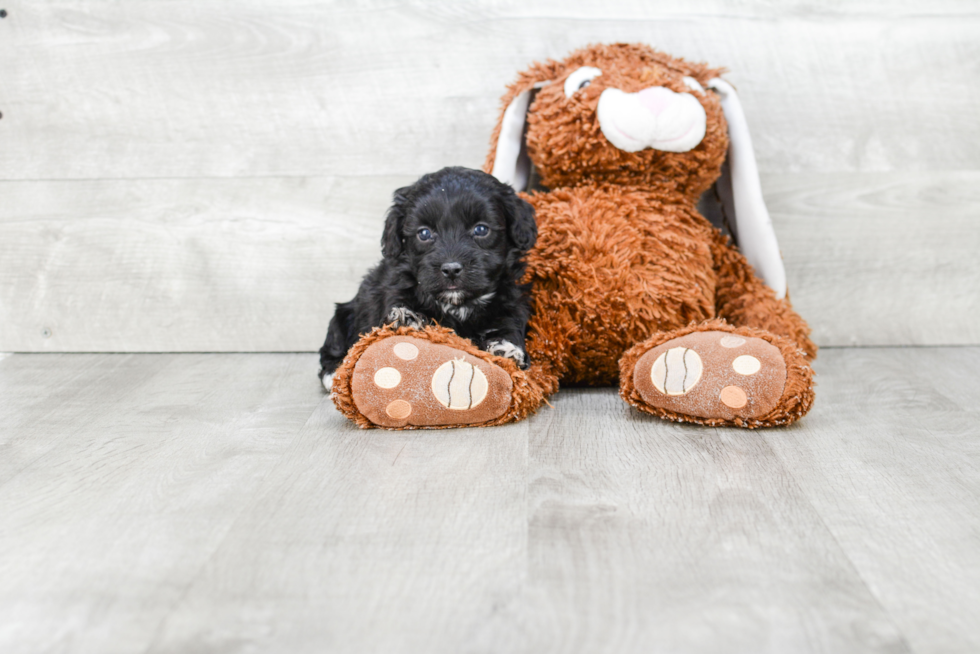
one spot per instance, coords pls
(219, 503)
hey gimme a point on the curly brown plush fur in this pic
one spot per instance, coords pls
(622, 252)
(623, 260)
(564, 140)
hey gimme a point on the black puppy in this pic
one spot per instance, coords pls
(453, 245)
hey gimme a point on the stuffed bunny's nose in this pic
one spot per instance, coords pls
(656, 98)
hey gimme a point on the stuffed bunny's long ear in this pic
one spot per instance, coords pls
(756, 236)
(511, 165)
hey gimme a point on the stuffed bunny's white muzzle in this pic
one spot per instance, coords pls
(655, 117)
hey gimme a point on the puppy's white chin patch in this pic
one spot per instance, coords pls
(452, 297)
(328, 383)
(455, 304)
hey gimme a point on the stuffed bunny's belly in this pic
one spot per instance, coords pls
(610, 268)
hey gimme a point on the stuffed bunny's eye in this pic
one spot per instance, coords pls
(580, 79)
(693, 84)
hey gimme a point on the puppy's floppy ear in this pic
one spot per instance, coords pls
(522, 229)
(391, 239)
(753, 229)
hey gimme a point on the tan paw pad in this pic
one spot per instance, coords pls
(676, 371)
(399, 409)
(459, 385)
(387, 378)
(405, 351)
(733, 397)
(746, 365)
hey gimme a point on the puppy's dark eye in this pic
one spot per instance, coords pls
(481, 230)
(424, 234)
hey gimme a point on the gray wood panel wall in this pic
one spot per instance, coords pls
(212, 176)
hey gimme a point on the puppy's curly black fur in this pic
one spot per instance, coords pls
(453, 245)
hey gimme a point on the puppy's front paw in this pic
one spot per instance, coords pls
(402, 317)
(502, 348)
(327, 381)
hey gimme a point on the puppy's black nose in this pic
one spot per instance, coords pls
(452, 270)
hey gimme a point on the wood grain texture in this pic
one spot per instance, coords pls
(246, 265)
(892, 464)
(191, 502)
(43, 400)
(646, 536)
(187, 88)
(181, 177)
(124, 491)
(882, 258)
(367, 541)
(184, 265)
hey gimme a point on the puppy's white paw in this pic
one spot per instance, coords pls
(328, 383)
(402, 317)
(502, 348)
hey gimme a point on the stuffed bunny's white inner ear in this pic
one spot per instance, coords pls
(756, 236)
(511, 164)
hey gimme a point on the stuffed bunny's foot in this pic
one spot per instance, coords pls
(403, 381)
(720, 378)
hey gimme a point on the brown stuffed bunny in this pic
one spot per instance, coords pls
(630, 282)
